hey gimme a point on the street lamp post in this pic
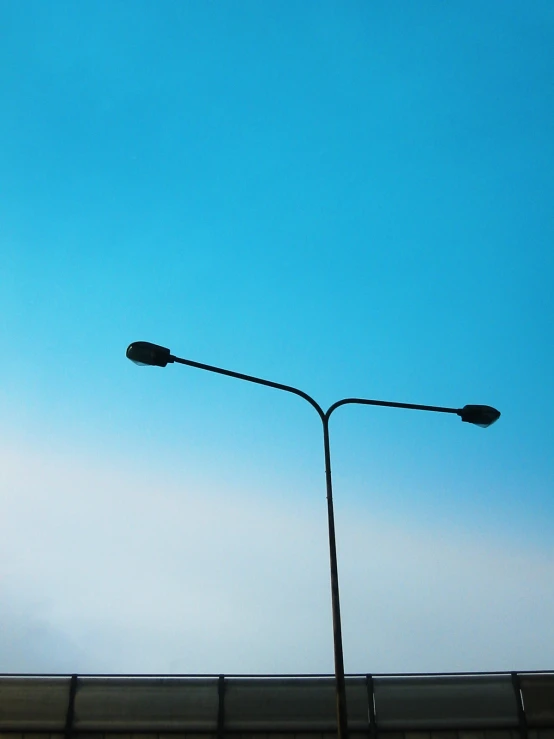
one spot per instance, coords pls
(144, 353)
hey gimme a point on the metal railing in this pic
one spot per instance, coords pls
(231, 705)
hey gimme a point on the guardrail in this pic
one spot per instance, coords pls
(218, 705)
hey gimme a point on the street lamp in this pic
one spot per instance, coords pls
(144, 353)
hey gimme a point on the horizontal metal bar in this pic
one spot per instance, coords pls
(300, 675)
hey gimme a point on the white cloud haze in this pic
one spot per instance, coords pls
(107, 568)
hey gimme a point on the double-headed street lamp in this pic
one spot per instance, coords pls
(144, 353)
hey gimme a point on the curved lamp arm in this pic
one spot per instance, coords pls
(145, 353)
(478, 415)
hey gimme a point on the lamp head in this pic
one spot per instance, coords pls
(479, 415)
(144, 353)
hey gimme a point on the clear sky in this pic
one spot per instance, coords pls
(352, 198)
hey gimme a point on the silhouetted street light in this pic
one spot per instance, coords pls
(144, 353)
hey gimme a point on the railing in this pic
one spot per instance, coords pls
(216, 706)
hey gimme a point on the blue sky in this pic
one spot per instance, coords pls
(351, 198)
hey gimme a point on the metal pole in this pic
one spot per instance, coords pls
(340, 685)
(146, 353)
(342, 719)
